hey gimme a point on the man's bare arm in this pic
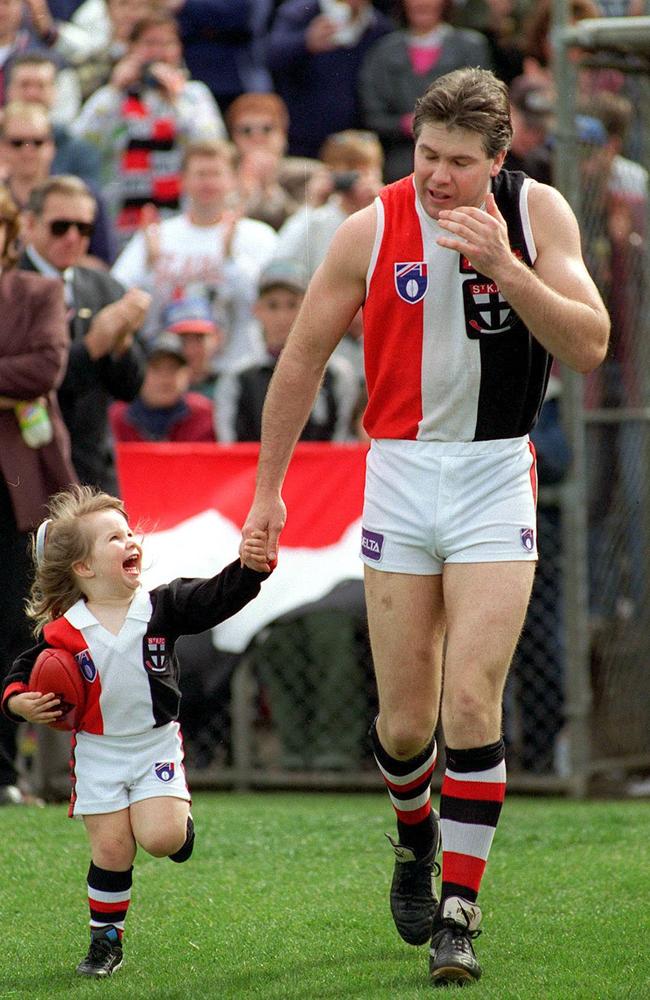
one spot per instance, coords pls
(557, 300)
(335, 293)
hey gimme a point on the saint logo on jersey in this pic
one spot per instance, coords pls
(86, 665)
(155, 653)
(412, 280)
(164, 770)
(486, 310)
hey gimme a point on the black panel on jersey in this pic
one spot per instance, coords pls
(514, 366)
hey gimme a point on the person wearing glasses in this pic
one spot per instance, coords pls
(271, 184)
(33, 355)
(105, 362)
(27, 157)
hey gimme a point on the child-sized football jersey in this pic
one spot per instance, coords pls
(132, 678)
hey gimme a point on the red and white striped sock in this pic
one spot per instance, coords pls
(472, 794)
(409, 789)
(109, 895)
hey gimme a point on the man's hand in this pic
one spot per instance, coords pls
(112, 329)
(481, 235)
(267, 517)
(320, 35)
(35, 707)
(171, 79)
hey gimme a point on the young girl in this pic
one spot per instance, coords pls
(127, 761)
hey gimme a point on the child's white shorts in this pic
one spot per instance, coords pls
(110, 773)
(432, 502)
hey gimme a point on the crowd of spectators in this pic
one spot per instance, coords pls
(180, 168)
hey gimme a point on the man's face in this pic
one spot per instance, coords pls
(276, 310)
(256, 130)
(66, 249)
(199, 350)
(451, 168)
(34, 84)
(208, 180)
(27, 148)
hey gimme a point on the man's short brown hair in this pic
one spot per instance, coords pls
(65, 184)
(217, 148)
(473, 99)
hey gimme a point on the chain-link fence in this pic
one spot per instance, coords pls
(604, 173)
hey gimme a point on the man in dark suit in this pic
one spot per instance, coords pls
(106, 362)
(33, 355)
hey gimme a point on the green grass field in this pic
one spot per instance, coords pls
(286, 897)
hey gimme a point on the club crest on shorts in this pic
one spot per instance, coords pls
(372, 544)
(412, 280)
(165, 770)
(155, 653)
(86, 665)
(527, 536)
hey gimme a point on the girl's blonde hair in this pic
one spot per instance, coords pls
(66, 542)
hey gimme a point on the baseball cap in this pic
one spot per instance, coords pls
(591, 130)
(286, 272)
(533, 99)
(169, 344)
(194, 314)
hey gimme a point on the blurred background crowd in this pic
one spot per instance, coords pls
(174, 171)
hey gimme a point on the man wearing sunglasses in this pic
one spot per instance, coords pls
(28, 151)
(105, 362)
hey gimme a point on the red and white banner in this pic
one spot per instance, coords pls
(191, 501)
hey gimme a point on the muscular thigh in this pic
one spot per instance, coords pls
(407, 623)
(486, 607)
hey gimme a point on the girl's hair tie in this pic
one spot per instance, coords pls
(41, 537)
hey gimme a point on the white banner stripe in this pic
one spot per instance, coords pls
(109, 897)
(406, 779)
(410, 805)
(466, 838)
(495, 774)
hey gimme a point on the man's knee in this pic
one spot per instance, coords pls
(471, 711)
(405, 736)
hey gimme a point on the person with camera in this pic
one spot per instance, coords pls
(142, 120)
(351, 180)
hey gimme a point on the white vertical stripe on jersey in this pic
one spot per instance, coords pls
(451, 362)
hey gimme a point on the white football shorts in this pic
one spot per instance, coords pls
(431, 502)
(111, 772)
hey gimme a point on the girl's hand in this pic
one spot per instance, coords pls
(35, 707)
(253, 552)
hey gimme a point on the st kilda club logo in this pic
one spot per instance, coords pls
(486, 310)
(155, 653)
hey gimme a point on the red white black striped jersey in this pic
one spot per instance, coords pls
(446, 357)
(132, 678)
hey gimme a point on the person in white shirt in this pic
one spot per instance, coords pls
(208, 249)
(143, 120)
(354, 159)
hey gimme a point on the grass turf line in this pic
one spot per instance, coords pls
(286, 898)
